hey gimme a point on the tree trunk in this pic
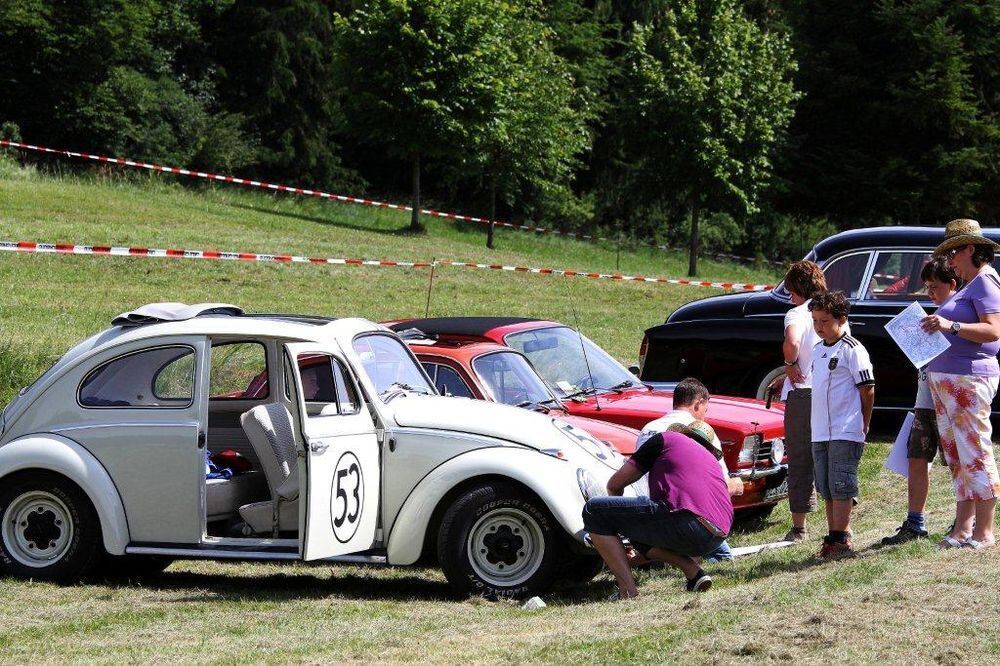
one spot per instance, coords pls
(493, 213)
(695, 240)
(415, 225)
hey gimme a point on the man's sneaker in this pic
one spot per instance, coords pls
(835, 551)
(905, 532)
(700, 583)
(796, 535)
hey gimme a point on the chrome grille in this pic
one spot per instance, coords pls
(764, 453)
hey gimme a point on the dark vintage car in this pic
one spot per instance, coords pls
(733, 342)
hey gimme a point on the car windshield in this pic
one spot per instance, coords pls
(558, 355)
(512, 380)
(390, 365)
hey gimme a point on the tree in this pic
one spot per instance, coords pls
(417, 74)
(532, 124)
(278, 59)
(116, 76)
(706, 96)
(900, 116)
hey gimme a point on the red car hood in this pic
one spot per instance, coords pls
(622, 438)
(636, 408)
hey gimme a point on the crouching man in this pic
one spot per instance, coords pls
(688, 512)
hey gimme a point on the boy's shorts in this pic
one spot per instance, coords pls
(924, 442)
(836, 464)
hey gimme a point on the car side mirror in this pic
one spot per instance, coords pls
(634, 369)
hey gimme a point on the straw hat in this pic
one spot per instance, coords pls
(963, 232)
(700, 432)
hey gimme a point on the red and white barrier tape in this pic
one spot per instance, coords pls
(121, 251)
(125, 162)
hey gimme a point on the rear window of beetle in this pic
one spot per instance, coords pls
(162, 377)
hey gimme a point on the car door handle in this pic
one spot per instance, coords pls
(202, 439)
(857, 323)
(318, 448)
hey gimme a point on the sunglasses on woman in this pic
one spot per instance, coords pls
(955, 250)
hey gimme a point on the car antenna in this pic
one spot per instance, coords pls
(430, 286)
(583, 348)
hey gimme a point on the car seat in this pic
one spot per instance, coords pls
(269, 429)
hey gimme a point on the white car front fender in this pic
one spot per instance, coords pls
(553, 480)
(54, 453)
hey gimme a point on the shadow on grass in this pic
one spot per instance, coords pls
(403, 231)
(280, 588)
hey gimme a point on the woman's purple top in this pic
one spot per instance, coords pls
(979, 297)
(684, 475)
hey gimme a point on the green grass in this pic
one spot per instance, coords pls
(904, 605)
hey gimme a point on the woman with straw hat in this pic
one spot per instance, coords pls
(963, 381)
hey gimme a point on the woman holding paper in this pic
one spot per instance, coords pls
(963, 381)
(923, 442)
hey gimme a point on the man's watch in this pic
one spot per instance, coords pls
(791, 363)
(955, 328)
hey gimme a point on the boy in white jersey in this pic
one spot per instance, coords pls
(842, 399)
(941, 282)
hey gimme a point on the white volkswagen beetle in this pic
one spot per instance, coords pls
(353, 457)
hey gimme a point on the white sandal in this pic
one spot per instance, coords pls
(949, 542)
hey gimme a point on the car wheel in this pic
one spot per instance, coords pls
(768, 378)
(128, 567)
(498, 541)
(50, 530)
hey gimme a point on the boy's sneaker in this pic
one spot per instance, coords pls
(835, 551)
(796, 535)
(905, 532)
(700, 583)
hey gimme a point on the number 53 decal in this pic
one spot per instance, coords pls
(348, 497)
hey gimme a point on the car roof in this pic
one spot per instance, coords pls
(886, 237)
(460, 350)
(475, 328)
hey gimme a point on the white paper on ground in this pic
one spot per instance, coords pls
(920, 347)
(896, 460)
(753, 550)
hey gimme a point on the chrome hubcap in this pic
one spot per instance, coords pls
(506, 547)
(37, 529)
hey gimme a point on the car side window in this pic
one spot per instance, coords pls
(846, 273)
(326, 386)
(161, 377)
(447, 381)
(896, 277)
(239, 372)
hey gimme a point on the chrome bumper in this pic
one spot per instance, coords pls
(750, 474)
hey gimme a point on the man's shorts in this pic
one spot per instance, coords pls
(836, 465)
(924, 442)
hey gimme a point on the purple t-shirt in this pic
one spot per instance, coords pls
(981, 296)
(685, 476)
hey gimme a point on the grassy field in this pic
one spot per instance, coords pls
(904, 605)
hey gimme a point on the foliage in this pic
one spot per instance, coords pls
(900, 117)
(116, 76)
(278, 59)
(705, 100)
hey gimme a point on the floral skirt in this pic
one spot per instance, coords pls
(962, 404)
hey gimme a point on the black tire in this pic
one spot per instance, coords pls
(520, 545)
(132, 567)
(49, 531)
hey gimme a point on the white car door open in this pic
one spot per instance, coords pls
(342, 457)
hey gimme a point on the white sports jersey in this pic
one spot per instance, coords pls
(924, 399)
(837, 372)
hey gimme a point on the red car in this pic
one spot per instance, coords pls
(592, 384)
(488, 371)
